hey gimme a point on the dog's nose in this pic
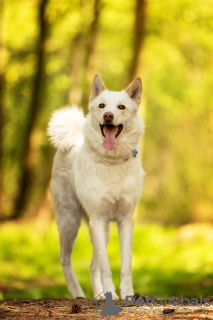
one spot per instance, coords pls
(108, 116)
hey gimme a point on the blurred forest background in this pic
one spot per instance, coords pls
(49, 53)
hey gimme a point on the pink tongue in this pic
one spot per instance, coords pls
(109, 140)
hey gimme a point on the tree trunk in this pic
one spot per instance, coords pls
(89, 54)
(139, 35)
(34, 108)
(135, 64)
(1, 104)
(77, 44)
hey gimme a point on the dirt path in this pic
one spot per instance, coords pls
(86, 309)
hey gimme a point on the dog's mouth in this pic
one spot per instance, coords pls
(110, 133)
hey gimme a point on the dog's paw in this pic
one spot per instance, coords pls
(127, 292)
(114, 296)
(109, 287)
(100, 297)
(123, 296)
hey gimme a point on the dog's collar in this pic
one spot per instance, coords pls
(108, 161)
(111, 161)
(134, 152)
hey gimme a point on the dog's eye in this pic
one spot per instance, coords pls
(101, 105)
(121, 107)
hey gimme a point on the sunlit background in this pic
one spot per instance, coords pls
(49, 53)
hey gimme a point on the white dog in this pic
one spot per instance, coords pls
(97, 174)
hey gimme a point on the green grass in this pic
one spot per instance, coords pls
(166, 261)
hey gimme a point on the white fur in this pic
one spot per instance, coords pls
(65, 128)
(102, 185)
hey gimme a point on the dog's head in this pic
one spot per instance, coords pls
(113, 116)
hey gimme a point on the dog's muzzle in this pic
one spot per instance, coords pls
(110, 133)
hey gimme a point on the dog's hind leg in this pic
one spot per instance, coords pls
(68, 220)
(94, 268)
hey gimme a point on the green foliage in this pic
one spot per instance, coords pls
(165, 261)
(177, 153)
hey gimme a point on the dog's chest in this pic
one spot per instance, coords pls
(108, 190)
(115, 209)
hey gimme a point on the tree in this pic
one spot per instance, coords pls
(138, 40)
(1, 101)
(34, 108)
(89, 54)
(82, 56)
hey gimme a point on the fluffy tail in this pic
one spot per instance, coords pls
(65, 128)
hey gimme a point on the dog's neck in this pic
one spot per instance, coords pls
(106, 157)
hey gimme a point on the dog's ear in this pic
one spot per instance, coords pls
(97, 87)
(134, 90)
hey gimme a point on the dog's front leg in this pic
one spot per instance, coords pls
(99, 240)
(125, 228)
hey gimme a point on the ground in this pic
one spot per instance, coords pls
(86, 309)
